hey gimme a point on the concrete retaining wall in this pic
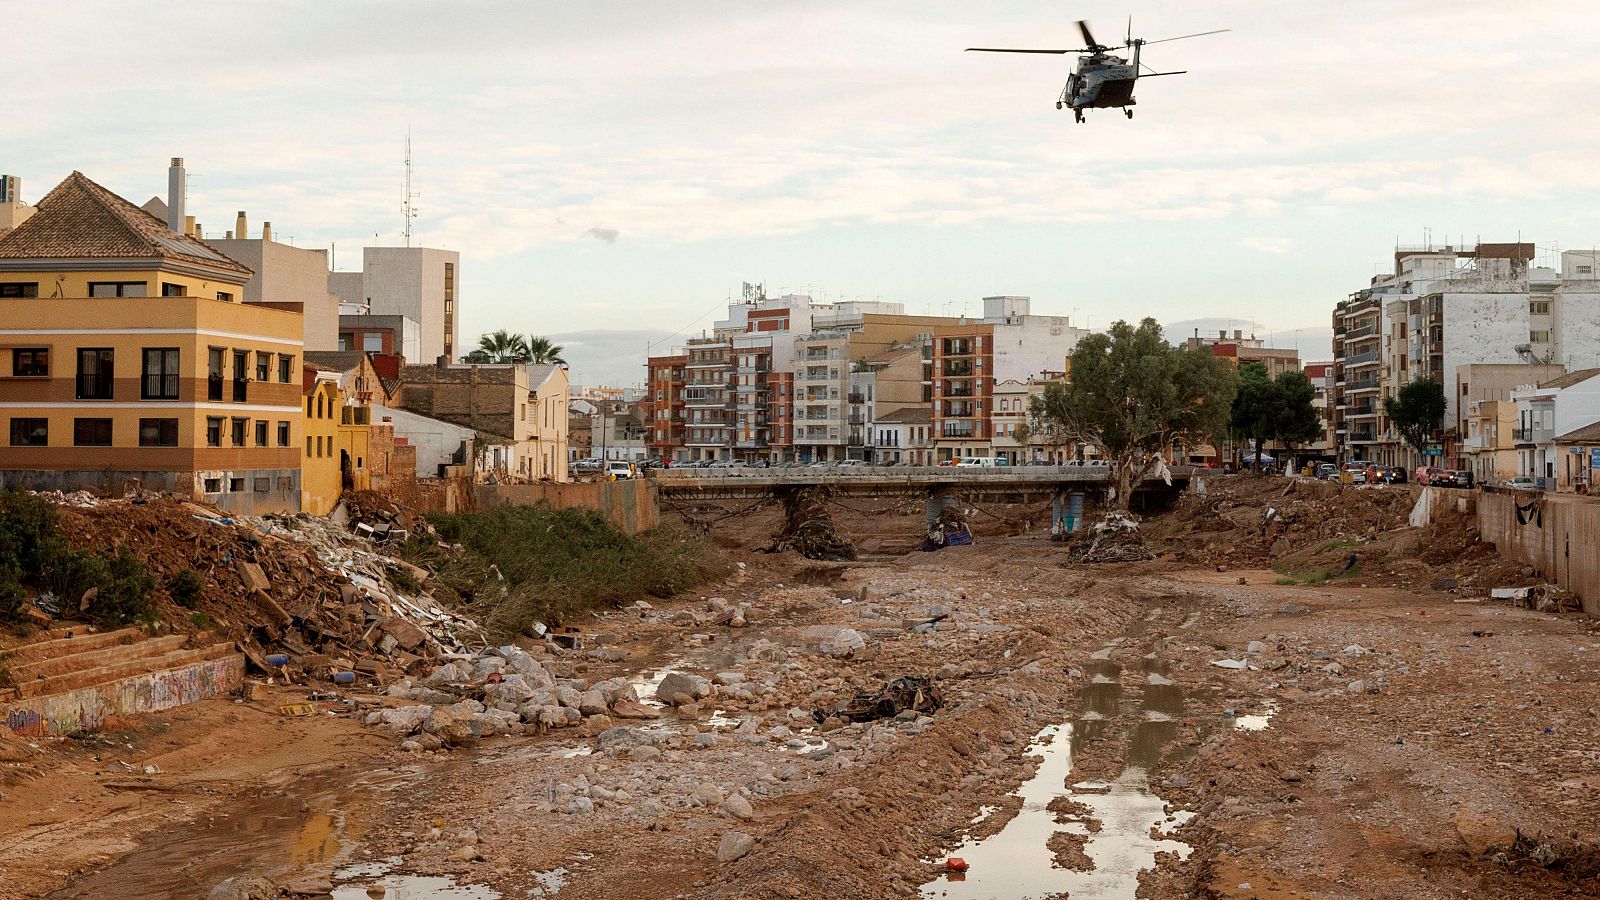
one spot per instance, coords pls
(87, 709)
(630, 504)
(1563, 544)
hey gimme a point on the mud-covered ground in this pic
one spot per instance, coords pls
(1378, 741)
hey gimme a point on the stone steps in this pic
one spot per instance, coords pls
(57, 644)
(93, 658)
(117, 669)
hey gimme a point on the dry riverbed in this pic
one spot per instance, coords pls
(1375, 742)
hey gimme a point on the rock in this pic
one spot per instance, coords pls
(1355, 650)
(738, 807)
(729, 678)
(310, 886)
(842, 643)
(734, 845)
(449, 673)
(592, 703)
(708, 794)
(624, 736)
(405, 719)
(644, 754)
(633, 709)
(1256, 647)
(1290, 776)
(247, 887)
(681, 683)
(580, 806)
(1482, 831)
(1356, 687)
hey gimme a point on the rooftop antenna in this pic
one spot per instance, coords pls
(410, 208)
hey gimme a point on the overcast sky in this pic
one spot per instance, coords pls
(607, 165)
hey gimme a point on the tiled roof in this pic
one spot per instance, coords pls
(1567, 380)
(79, 219)
(910, 415)
(1588, 434)
(340, 360)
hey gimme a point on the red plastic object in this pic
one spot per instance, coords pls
(955, 864)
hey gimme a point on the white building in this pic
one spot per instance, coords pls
(419, 283)
(1555, 407)
(1026, 345)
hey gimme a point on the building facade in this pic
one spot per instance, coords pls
(417, 283)
(130, 358)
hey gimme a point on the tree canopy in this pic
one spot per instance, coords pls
(1134, 397)
(506, 347)
(1417, 411)
(1267, 409)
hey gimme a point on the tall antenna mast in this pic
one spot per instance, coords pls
(410, 208)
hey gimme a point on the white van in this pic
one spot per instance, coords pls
(982, 462)
(618, 469)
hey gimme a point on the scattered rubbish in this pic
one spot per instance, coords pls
(908, 693)
(1115, 538)
(1231, 664)
(949, 530)
(955, 864)
(297, 710)
(809, 528)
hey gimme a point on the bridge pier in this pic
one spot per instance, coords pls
(808, 526)
(1066, 513)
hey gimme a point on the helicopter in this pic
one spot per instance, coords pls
(1101, 80)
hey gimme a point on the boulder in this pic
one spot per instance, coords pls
(708, 794)
(632, 709)
(842, 643)
(449, 673)
(677, 684)
(738, 807)
(734, 845)
(592, 703)
(405, 719)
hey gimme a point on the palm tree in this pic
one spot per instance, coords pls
(501, 347)
(541, 351)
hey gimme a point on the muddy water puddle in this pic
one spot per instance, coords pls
(1121, 824)
(313, 825)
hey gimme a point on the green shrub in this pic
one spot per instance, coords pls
(13, 599)
(528, 564)
(33, 550)
(185, 587)
(124, 594)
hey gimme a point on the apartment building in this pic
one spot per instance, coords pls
(665, 380)
(1444, 308)
(418, 283)
(1239, 349)
(286, 277)
(385, 335)
(132, 360)
(708, 398)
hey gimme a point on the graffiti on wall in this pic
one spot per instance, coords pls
(86, 709)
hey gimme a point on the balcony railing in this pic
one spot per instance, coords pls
(958, 369)
(857, 398)
(962, 390)
(958, 429)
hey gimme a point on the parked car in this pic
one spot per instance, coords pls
(1521, 483)
(1386, 475)
(621, 469)
(1425, 474)
(1327, 472)
(851, 464)
(1459, 478)
(981, 462)
(724, 464)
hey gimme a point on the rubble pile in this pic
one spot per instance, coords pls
(1115, 538)
(809, 528)
(949, 530)
(374, 515)
(300, 597)
(1246, 520)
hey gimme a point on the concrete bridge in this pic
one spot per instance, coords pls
(943, 487)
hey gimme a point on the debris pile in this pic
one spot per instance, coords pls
(949, 530)
(1115, 538)
(809, 528)
(300, 597)
(906, 697)
(371, 514)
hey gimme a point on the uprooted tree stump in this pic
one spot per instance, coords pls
(1115, 538)
(809, 528)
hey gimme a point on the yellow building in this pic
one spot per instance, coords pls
(126, 357)
(338, 435)
(320, 481)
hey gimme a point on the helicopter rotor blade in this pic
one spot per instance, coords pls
(1087, 37)
(1184, 36)
(1014, 50)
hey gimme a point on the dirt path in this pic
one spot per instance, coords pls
(1087, 746)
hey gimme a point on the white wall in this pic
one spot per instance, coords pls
(1577, 325)
(1035, 344)
(1480, 328)
(436, 441)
